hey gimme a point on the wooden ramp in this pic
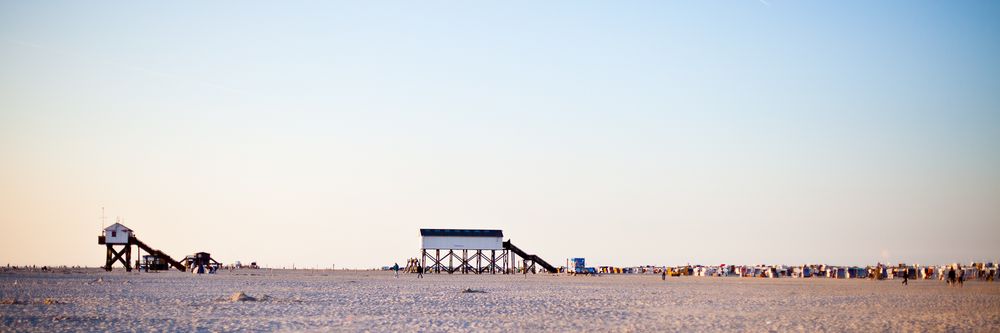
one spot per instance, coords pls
(534, 259)
(179, 266)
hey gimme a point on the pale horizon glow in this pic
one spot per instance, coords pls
(663, 133)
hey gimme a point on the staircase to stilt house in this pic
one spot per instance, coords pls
(534, 259)
(179, 266)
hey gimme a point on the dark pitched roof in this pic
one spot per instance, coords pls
(116, 226)
(461, 232)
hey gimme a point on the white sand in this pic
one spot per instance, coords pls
(305, 300)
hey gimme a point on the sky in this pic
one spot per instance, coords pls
(322, 133)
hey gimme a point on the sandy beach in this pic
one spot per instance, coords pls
(325, 300)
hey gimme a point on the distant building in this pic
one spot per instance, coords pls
(476, 251)
(461, 239)
(117, 234)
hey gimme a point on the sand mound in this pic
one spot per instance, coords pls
(241, 297)
(473, 291)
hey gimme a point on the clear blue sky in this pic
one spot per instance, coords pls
(319, 133)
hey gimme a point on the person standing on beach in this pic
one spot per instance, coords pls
(961, 276)
(951, 276)
(906, 276)
(663, 275)
(395, 268)
(420, 271)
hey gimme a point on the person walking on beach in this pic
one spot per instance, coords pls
(395, 269)
(951, 276)
(906, 277)
(420, 271)
(961, 276)
(663, 275)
